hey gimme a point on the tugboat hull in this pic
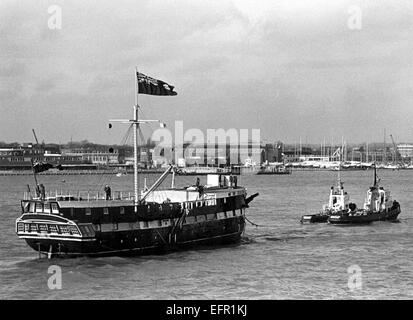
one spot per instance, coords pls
(314, 218)
(365, 217)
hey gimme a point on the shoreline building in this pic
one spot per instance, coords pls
(405, 150)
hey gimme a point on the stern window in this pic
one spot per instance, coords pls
(53, 228)
(122, 210)
(88, 211)
(105, 210)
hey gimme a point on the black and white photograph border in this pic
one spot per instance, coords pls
(214, 152)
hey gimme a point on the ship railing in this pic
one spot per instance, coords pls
(71, 195)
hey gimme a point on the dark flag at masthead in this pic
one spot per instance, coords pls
(148, 85)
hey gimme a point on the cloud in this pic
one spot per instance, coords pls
(290, 68)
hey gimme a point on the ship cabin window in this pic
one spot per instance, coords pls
(55, 208)
(105, 210)
(47, 208)
(88, 211)
(26, 207)
(233, 213)
(122, 210)
(145, 224)
(39, 207)
(115, 226)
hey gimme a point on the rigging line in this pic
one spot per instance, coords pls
(107, 177)
(99, 181)
(150, 124)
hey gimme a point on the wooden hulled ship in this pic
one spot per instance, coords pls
(147, 221)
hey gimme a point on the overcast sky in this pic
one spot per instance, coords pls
(288, 67)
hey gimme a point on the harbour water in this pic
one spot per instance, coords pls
(278, 259)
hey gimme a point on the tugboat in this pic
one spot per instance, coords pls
(338, 202)
(86, 224)
(378, 206)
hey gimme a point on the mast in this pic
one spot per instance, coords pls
(339, 168)
(384, 148)
(135, 126)
(135, 142)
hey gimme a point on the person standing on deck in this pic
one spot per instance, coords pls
(107, 192)
(42, 192)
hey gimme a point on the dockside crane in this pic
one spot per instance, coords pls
(35, 137)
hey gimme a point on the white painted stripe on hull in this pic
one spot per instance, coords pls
(56, 238)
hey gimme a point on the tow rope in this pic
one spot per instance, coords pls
(254, 224)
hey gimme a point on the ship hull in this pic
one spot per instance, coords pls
(148, 241)
(366, 218)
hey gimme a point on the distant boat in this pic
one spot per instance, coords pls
(274, 169)
(202, 170)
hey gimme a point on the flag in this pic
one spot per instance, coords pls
(148, 85)
(44, 166)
